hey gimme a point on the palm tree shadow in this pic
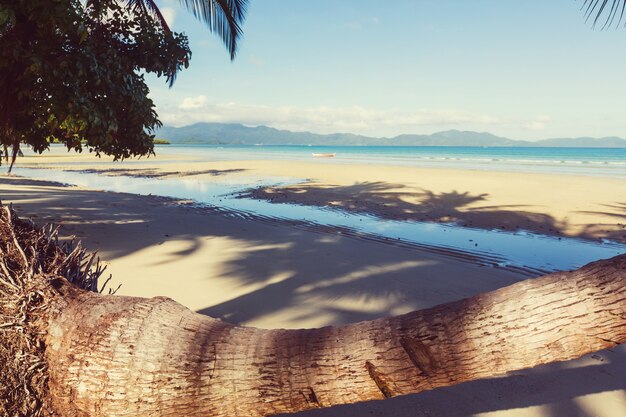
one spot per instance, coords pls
(397, 202)
(611, 231)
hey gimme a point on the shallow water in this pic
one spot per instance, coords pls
(530, 252)
(604, 162)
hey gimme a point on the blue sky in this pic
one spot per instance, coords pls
(523, 69)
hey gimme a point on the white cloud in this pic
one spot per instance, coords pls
(169, 14)
(190, 103)
(322, 119)
(538, 123)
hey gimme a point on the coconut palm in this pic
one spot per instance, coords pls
(129, 36)
(604, 12)
(225, 17)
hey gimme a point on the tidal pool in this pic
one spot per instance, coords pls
(527, 252)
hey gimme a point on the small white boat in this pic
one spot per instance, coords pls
(324, 155)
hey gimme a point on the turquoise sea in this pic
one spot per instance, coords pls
(610, 162)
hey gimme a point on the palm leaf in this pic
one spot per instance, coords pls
(606, 11)
(222, 16)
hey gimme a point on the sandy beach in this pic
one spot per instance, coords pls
(272, 275)
(568, 205)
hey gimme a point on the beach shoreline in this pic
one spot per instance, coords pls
(554, 204)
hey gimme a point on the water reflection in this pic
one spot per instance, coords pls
(530, 252)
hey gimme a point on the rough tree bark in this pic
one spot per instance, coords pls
(122, 356)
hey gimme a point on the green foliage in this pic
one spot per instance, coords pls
(73, 73)
(161, 142)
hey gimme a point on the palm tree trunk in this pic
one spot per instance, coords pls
(122, 356)
(14, 154)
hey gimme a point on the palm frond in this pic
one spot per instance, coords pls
(222, 16)
(610, 10)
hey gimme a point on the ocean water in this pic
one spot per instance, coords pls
(608, 162)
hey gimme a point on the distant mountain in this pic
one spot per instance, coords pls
(238, 134)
